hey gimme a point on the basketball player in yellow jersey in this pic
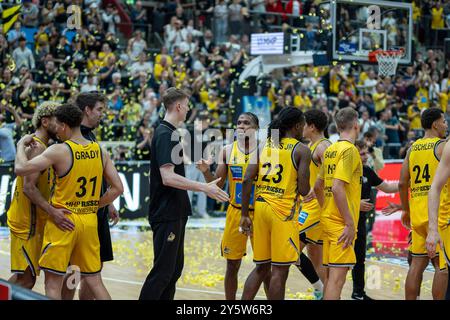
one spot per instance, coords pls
(417, 174)
(79, 165)
(29, 207)
(339, 189)
(282, 167)
(439, 217)
(309, 218)
(233, 161)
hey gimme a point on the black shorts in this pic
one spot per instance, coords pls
(106, 251)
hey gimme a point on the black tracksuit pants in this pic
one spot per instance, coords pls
(360, 252)
(168, 248)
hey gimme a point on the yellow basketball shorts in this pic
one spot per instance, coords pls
(234, 243)
(444, 257)
(25, 253)
(80, 247)
(418, 246)
(274, 240)
(334, 254)
(313, 235)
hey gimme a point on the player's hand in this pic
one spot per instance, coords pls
(113, 215)
(391, 208)
(406, 220)
(58, 216)
(245, 226)
(27, 140)
(433, 239)
(203, 165)
(365, 205)
(214, 192)
(347, 236)
(310, 196)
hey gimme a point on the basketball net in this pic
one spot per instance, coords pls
(387, 61)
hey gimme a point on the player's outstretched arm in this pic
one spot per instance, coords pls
(112, 178)
(221, 171)
(403, 187)
(303, 160)
(24, 167)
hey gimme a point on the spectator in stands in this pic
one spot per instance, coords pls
(365, 122)
(23, 56)
(437, 20)
(392, 129)
(143, 143)
(89, 85)
(110, 18)
(7, 144)
(143, 66)
(139, 17)
(221, 21)
(236, 17)
(275, 6)
(48, 12)
(30, 13)
(380, 99)
(136, 45)
(14, 34)
(295, 8)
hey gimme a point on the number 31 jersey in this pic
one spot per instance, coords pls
(79, 189)
(277, 176)
(423, 163)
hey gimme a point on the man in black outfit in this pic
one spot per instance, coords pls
(93, 105)
(370, 179)
(169, 201)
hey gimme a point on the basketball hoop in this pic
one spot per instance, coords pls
(387, 61)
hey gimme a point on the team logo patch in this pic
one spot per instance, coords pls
(171, 237)
(236, 173)
(302, 217)
(238, 197)
(226, 250)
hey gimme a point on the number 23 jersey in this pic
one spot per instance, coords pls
(79, 189)
(423, 163)
(277, 176)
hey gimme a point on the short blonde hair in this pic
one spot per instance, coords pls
(45, 109)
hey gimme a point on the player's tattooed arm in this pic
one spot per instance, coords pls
(24, 167)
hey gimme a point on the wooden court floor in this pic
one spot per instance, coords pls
(204, 270)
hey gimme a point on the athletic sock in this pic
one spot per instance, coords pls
(307, 269)
(318, 285)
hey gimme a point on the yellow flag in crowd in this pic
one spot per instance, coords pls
(9, 16)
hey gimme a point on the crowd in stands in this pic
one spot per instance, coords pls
(203, 47)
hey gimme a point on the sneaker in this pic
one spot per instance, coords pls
(361, 297)
(318, 295)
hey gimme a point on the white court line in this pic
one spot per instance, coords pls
(178, 288)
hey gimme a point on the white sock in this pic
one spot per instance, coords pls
(418, 297)
(318, 285)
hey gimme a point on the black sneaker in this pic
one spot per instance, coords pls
(361, 297)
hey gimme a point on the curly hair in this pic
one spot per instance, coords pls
(69, 114)
(46, 109)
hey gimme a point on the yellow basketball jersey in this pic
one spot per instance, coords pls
(277, 177)
(314, 170)
(444, 208)
(423, 163)
(24, 217)
(79, 189)
(342, 161)
(237, 166)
